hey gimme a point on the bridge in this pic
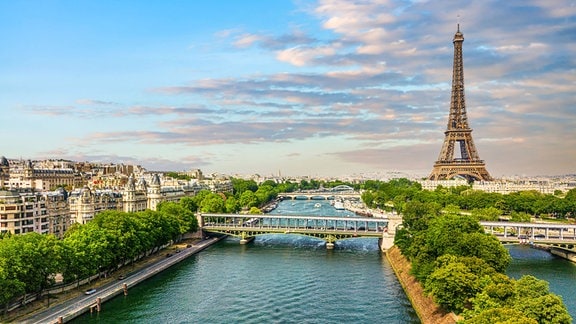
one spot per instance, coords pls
(327, 228)
(540, 233)
(339, 191)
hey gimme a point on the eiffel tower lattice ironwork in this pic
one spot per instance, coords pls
(468, 165)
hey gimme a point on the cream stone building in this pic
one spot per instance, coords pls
(25, 175)
(86, 203)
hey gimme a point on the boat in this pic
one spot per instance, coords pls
(339, 204)
(317, 205)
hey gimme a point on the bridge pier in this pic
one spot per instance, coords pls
(245, 239)
(387, 240)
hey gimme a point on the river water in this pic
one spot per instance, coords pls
(294, 279)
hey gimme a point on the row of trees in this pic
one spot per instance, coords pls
(29, 262)
(463, 269)
(518, 205)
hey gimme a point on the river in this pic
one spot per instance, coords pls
(293, 279)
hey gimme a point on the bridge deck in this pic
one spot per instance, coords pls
(318, 226)
(542, 233)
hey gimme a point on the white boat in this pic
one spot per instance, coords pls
(339, 204)
(317, 205)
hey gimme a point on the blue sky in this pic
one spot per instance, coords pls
(320, 88)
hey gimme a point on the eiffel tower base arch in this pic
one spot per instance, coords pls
(449, 170)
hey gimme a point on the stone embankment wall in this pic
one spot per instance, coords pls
(428, 311)
(567, 254)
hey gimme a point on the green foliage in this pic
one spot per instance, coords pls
(452, 286)
(29, 261)
(179, 176)
(545, 309)
(531, 287)
(189, 203)
(400, 191)
(520, 217)
(212, 203)
(241, 185)
(232, 205)
(248, 199)
(500, 315)
(463, 269)
(255, 211)
(486, 214)
(179, 213)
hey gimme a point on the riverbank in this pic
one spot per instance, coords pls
(66, 306)
(428, 311)
(564, 253)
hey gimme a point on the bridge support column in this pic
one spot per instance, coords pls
(245, 239)
(330, 239)
(387, 240)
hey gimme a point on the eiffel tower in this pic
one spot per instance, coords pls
(468, 165)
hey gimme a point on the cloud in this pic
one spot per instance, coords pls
(92, 102)
(376, 73)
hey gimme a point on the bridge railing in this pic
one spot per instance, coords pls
(534, 232)
(293, 222)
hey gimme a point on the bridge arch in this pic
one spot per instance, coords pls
(342, 188)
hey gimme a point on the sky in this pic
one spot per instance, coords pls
(290, 87)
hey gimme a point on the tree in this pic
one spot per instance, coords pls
(189, 204)
(446, 231)
(265, 194)
(452, 286)
(232, 205)
(486, 214)
(545, 309)
(241, 185)
(486, 247)
(255, 211)
(10, 285)
(248, 199)
(213, 203)
(500, 315)
(498, 290)
(185, 217)
(531, 287)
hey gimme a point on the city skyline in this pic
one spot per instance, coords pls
(322, 88)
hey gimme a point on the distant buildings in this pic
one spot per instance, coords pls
(48, 196)
(509, 185)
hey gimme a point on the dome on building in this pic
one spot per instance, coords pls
(131, 185)
(141, 185)
(155, 180)
(4, 161)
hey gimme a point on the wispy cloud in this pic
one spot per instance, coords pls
(375, 75)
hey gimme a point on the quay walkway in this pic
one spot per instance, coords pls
(77, 306)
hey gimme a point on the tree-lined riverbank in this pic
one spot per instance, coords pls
(428, 311)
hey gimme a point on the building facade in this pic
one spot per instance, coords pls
(23, 212)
